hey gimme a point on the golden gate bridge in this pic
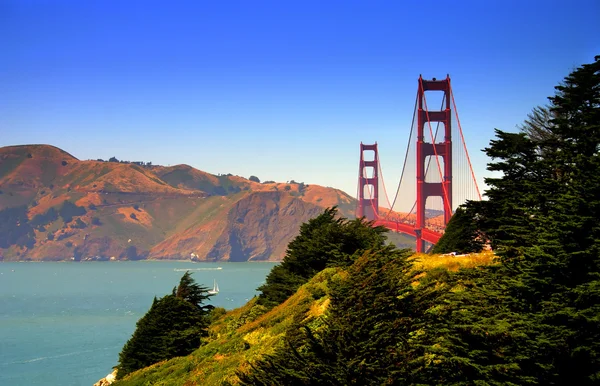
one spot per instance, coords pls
(431, 189)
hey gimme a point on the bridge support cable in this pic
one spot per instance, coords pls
(462, 138)
(388, 216)
(412, 125)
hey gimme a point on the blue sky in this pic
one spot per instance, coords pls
(278, 89)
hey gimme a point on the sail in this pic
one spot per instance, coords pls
(215, 289)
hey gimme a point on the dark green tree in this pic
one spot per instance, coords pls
(542, 217)
(44, 219)
(15, 228)
(324, 241)
(461, 235)
(366, 328)
(68, 210)
(174, 326)
(193, 293)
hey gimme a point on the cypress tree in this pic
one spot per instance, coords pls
(462, 234)
(324, 241)
(173, 326)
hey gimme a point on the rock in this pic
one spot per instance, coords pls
(110, 378)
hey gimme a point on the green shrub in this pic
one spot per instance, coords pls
(173, 326)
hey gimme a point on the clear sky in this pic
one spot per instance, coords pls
(278, 89)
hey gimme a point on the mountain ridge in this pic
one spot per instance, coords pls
(103, 210)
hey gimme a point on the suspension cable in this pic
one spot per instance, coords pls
(406, 155)
(463, 141)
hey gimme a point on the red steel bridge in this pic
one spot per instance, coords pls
(437, 175)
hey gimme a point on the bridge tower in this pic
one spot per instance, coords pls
(368, 206)
(443, 150)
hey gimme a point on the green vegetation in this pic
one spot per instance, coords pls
(15, 228)
(68, 210)
(41, 220)
(350, 310)
(174, 326)
(461, 235)
(9, 164)
(325, 241)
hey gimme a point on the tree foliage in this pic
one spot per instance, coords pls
(542, 218)
(461, 235)
(532, 319)
(192, 293)
(44, 219)
(68, 210)
(324, 241)
(173, 326)
(15, 228)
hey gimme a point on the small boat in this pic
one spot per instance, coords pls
(215, 289)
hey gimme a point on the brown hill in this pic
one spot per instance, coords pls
(55, 207)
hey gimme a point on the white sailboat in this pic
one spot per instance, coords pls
(215, 289)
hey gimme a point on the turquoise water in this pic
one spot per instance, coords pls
(65, 323)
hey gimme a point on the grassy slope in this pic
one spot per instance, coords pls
(244, 335)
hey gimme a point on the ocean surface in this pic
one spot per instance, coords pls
(65, 323)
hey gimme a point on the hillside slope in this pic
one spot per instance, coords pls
(56, 207)
(249, 333)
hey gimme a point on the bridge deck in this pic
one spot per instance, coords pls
(426, 234)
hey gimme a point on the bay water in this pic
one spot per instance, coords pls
(65, 323)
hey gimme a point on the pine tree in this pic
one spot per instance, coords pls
(173, 326)
(542, 216)
(324, 241)
(193, 293)
(462, 234)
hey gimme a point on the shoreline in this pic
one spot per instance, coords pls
(138, 261)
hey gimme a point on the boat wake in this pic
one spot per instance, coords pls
(197, 269)
(57, 356)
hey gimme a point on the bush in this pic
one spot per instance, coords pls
(133, 216)
(44, 219)
(96, 221)
(174, 326)
(254, 179)
(15, 228)
(68, 210)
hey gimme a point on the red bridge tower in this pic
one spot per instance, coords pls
(426, 189)
(368, 206)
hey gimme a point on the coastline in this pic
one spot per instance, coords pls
(142, 260)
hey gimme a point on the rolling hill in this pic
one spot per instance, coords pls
(56, 207)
